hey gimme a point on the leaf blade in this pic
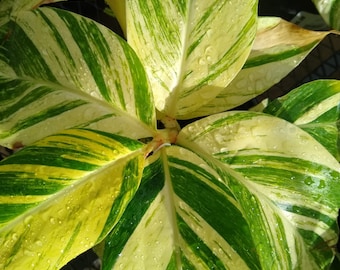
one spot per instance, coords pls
(101, 175)
(81, 58)
(278, 48)
(304, 206)
(184, 75)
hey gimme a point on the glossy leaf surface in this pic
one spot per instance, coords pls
(314, 107)
(189, 50)
(329, 10)
(293, 191)
(63, 194)
(79, 74)
(241, 196)
(279, 47)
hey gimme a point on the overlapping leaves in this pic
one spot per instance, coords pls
(241, 189)
(53, 205)
(85, 75)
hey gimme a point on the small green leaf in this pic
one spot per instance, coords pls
(314, 107)
(63, 194)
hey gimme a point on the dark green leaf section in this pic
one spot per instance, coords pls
(220, 213)
(12, 184)
(306, 98)
(172, 264)
(44, 168)
(269, 58)
(85, 43)
(10, 211)
(308, 212)
(302, 99)
(322, 252)
(186, 264)
(129, 187)
(306, 177)
(13, 91)
(25, 60)
(334, 15)
(198, 247)
(140, 81)
(52, 156)
(151, 184)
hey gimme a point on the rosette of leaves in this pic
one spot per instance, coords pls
(233, 190)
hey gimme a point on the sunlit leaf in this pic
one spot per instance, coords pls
(279, 47)
(189, 48)
(63, 194)
(182, 217)
(290, 185)
(314, 107)
(79, 74)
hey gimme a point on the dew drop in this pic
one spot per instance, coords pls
(39, 243)
(322, 184)
(201, 61)
(27, 221)
(308, 181)
(53, 220)
(15, 236)
(29, 253)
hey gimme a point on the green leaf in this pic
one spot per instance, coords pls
(79, 74)
(288, 193)
(314, 107)
(189, 50)
(330, 11)
(182, 217)
(279, 47)
(63, 194)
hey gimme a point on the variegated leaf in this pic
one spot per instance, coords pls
(314, 107)
(63, 194)
(61, 70)
(289, 189)
(182, 217)
(190, 49)
(10, 8)
(330, 11)
(278, 48)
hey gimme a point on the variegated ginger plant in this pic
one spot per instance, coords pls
(233, 190)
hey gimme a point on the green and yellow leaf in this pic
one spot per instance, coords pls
(285, 182)
(279, 47)
(63, 194)
(189, 50)
(79, 74)
(186, 219)
(329, 10)
(314, 107)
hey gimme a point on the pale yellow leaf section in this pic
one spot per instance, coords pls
(282, 46)
(66, 225)
(190, 50)
(118, 8)
(273, 136)
(152, 243)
